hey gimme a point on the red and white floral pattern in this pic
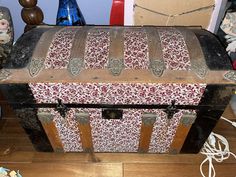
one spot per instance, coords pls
(67, 129)
(60, 49)
(97, 49)
(174, 48)
(136, 49)
(117, 135)
(118, 93)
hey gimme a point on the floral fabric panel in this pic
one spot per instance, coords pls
(136, 49)
(59, 51)
(136, 56)
(118, 93)
(97, 49)
(118, 135)
(174, 48)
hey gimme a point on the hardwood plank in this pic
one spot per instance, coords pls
(58, 170)
(174, 170)
(2, 123)
(39, 157)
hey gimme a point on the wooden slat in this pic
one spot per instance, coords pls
(173, 170)
(85, 131)
(53, 136)
(104, 76)
(145, 138)
(50, 129)
(182, 131)
(148, 121)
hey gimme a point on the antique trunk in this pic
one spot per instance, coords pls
(118, 89)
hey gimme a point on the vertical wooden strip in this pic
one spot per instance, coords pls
(40, 52)
(85, 131)
(148, 121)
(157, 64)
(116, 51)
(182, 131)
(76, 62)
(46, 120)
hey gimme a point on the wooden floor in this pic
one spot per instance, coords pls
(16, 152)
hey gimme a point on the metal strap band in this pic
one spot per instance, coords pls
(157, 64)
(197, 59)
(149, 119)
(76, 62)
(45, 117)
(82, 117)
(40, 52)
(116, 51)
(188, 119)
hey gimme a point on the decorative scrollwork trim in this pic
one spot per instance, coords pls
(230, 75)
(199, 68)
(35, 66)
(75, 66)
(157, 67)
(115, 66)
(4, 74)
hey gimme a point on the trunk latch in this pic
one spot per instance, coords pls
(171, 110)
(61, 108)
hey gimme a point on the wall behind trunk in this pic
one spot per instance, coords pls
(95, 12)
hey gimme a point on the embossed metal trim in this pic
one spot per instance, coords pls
(4, 74)
(116, 53)
(35, 66)
(188, 119)
(199, 68)
(173, 151)
(45, 117)
(148, 119)
(75, 66)
(230, 75)
(157, 67)
(157, 64)
(115, 66)
(76, 63)
(82, 117)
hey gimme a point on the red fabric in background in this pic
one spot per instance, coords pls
(117, 12)
(234, 64)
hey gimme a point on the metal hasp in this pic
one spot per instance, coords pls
(171, 110)
(61, 108)
(112, 114)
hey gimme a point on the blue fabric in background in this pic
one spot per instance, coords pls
(69, 14)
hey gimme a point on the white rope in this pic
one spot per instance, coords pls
(216, 148)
